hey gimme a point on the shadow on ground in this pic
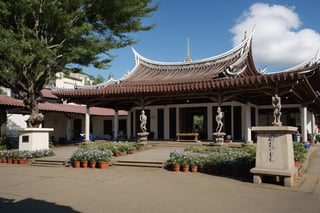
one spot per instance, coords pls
(32, 205)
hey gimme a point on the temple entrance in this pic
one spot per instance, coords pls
(194, 120)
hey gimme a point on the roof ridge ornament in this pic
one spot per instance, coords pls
(188, 59)
(244, 35)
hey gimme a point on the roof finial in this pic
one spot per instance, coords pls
(188, 59)
(245, 35)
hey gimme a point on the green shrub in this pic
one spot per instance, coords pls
(299, 151)
(5, 143)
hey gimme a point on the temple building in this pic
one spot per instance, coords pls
(183, 97)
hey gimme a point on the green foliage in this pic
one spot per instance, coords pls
(97, 79)
(218, 156)
(5, 143)
(299, 151)
(2, 91)
(41, 38)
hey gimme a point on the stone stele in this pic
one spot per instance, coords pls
(274, 155)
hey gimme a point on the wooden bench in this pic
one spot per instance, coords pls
(193, 136)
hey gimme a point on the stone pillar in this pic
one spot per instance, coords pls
(87, 124)
(116, 124)
(129, 118)
(166, 114)
(248, 124)
(69, 129)
(304, 124)
(313, 124)
(210, 128)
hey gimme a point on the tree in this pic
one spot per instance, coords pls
(97, 79)
(42, 37)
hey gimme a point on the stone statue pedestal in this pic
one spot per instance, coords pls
(143, 137)
(32, 139)
(219, 138)
(274, 155)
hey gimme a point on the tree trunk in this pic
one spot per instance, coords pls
(36, 117)
(3, 116)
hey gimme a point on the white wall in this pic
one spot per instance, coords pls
(57, 121)
(14, 122)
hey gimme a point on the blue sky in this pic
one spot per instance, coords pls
(286, 33)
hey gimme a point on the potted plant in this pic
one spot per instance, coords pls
(131, 148)
(84, 158)
(8, 155)
(185, 163)
(92, 157)
(15, 156)
(194, 162)
(202, 167)
(123, 148)
(76, 158)
(23, 157)
(298, 153)
(211, 164)
(103, 158)
(1, 157)
(175, 159)
(115, 149)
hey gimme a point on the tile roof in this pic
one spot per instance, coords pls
(10, 102)
(160, 77)
(236, 62)
(47, 93)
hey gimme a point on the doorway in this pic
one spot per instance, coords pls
(194, 120)
(77, 128)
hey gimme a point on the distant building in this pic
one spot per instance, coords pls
(70, 81)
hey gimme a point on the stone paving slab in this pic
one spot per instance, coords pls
(154, 154)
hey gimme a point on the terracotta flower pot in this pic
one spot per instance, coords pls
(23, 161)
(116, 153)
(176, 168)
(103, 165)
(130, 151)
(185, 168)
(15, 160)
(84, 164)
(9, 160)
(92, 164)
(296, 163)
(194, 168)
(76, 164)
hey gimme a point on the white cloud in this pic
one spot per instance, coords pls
(278, 41)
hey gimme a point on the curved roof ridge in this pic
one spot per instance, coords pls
(244, 43)
(302, 66)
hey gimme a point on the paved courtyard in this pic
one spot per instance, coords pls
(25, 188)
